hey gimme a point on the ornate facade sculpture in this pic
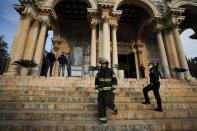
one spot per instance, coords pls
(106, 28)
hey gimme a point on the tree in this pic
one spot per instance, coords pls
(3, 54)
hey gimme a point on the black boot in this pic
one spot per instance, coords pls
(146, 102)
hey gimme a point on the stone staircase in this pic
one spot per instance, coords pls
(70, 104)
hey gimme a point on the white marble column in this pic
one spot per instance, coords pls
(106, 39)
(180, 52)
(32, 41)
(38, 57)
(163, 58)
(93, 46)
(114, 46)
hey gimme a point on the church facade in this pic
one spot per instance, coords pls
(132, 32)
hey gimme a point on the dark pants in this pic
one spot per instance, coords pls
(50, 65)
(69, 70)
(142, 73)
(155, 88)
(105, 99)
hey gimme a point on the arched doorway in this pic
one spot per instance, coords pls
(133, 45)
(188, 29)
(72, 34)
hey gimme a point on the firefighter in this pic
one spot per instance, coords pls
(154, 85)
(105, 83)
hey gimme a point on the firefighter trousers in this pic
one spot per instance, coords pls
(105, 99)
(155, 88)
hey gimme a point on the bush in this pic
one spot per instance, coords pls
(122, 66)
(177, 69)
(93, 68)
(26, 63)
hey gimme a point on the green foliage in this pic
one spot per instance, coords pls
(3, 47)
(122, 66)
(3, 54)
(93, 68)
(177, 69)
(26, 63)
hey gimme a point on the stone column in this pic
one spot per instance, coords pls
(32, 41)
(168, 51)
(100, 46)
(20, 43)
(93, 46)
(114, 46)
(40, 48)
(180, 52)
(106, 39)
(163, 58)
(12, 68)
(172, 54)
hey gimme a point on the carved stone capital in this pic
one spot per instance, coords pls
(105, 19)
(44, 19)
(158, 24)
(174, 22)
(174, 17)
(114, 25)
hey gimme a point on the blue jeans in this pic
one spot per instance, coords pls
(61, 69)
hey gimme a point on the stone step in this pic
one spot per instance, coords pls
(58, 88)
(118, 125)
(94, 93)
(64, 81)
(57, 115)
(89, 106)
(81, 99)
(78, 99)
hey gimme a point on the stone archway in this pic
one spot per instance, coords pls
(132, 21)
(145, 4)
(52, 3)
(190, 13)
(180, 3)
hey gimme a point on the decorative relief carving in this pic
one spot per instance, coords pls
(105, 19)
(174, 17)
(158, 24)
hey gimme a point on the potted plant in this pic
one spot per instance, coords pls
(121, 67)
(179, 71)
(94, 70)
(26, 65)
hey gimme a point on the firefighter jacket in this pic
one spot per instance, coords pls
(105, 79)
(154, 75)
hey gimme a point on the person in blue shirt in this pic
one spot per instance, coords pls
(62, 63)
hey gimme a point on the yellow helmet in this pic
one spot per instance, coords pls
(103, 61)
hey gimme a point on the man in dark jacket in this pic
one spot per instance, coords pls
(154, 85)
(62, 62)
(142, 71)
(105, 82)
(50, 59)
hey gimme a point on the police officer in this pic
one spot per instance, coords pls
(154, 85)
(105, 82)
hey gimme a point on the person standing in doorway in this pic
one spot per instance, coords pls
(142, 71)
(69, 65)
(154, 85)
(50, 58)
(105, 82)
(62, 63)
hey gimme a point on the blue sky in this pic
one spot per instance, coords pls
(9, 19)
